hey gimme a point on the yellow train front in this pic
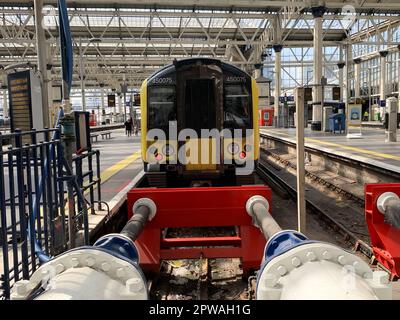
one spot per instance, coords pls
(200, 123)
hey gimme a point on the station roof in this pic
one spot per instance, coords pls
(130, 38)
(366, 6)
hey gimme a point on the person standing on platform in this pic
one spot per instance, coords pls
(128, 127)
(366, 115)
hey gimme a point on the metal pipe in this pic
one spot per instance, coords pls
(301, 203)
(258, 208)
(143, 210)
(136, 224)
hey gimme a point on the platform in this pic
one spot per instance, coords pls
(120, 162)
(370, 149)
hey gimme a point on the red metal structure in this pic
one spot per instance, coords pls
(385, 239)
(200, 207)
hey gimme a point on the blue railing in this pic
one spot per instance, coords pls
(33, 198)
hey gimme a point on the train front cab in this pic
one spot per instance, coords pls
(201, 95)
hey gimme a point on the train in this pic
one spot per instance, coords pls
(188, 99)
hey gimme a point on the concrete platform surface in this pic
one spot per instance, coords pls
(370, 149)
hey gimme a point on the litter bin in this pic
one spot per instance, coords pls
(337, 122)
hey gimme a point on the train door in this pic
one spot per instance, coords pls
(200, 104)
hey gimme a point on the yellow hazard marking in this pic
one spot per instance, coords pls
(359, 150)
(114, 169)
(105, 175)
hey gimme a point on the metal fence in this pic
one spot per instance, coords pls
(42, 201)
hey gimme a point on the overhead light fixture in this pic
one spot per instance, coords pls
(92, 40)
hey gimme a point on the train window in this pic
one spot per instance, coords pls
(237, 106)
(200, 104)
(161, 108)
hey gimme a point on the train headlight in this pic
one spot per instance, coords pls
(168, 150)
(159, 157)
(233, 148)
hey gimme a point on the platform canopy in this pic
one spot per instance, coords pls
(130, 39)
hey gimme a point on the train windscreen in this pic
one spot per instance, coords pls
(237, 107)
(200, 104)
(161, 108)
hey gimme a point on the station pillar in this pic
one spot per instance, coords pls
(318, 13)
(41, 49)
(82, 75)
(277, 110)
(53, 112)
(382, 83)
(83, 92)
(357, 78)
(347, 73)
(101, 102)
(341, 79)
(120, 109)
(398, 81)
(391, 131)
(5, 102)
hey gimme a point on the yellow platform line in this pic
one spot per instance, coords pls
(114, 169)
(106, 175)
(359, 150)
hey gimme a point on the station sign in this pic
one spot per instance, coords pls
(25, 98)
(111, 100)
(336, 93)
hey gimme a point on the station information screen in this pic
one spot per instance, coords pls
(25, 94)
(111, 100)
(19, 85)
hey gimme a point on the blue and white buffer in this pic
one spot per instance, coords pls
(295, 267)
(108, 270)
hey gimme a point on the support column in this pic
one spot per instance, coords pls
(83, 92)
(53, 113)
(382, 82)
(316, 124)
(119, 106)
(82, 75)
(341, 79)
(357, 78)
(278, 121)
(398, 78)
(101, 102)
(341, 65)
(349, 59)
(42, 60)
(5, 102)
(278, 81)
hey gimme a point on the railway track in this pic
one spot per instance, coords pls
(198, 281)
(340, 191)
(282, 187)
